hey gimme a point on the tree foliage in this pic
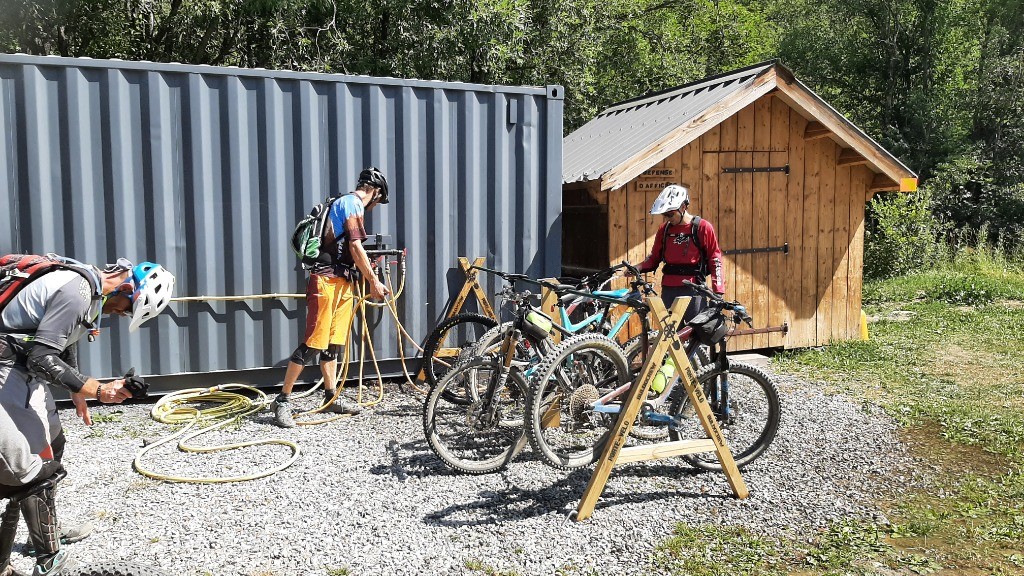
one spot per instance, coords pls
(940, 83)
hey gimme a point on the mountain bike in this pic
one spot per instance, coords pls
(473, 418)
(454, 339)
(570, 412)
(579, 312)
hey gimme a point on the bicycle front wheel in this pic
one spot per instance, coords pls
(746, 404)
(451, 342)
(562, 424)
(476, 437)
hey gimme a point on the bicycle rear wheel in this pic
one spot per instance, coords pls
(633, 351)
(753, 418)
(451, 342)
(469, 436)
(562, 425)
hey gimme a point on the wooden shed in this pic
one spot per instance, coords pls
(783, 177)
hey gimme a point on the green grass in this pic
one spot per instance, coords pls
(848, 548)
(946, 359)
(112, 416)
(712, 550)
(479, 566)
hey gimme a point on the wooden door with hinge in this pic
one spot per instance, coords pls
(752, 188)
(751, 226)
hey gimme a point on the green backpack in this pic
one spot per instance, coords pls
(308, 235)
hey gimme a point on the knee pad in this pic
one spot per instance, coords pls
(304, 355)
(332, 353)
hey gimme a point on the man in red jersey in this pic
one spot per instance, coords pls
(688, 246)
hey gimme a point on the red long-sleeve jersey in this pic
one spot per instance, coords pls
(680, 249)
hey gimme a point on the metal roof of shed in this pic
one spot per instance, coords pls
(625, 129)
(633, 135)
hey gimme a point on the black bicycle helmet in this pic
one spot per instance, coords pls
(374, 177)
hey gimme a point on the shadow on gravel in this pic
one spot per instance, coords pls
(411, 459)
(402, 410)
(513, 503)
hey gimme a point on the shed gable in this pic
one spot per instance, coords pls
(631, 137)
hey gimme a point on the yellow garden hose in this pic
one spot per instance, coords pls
(179, 408)
(176, 409)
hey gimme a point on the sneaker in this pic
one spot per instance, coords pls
(75, 532)
(341, 406)
(68, 535)
(59, 563)
(282, 414)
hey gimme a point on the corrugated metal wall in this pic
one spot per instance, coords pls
(206, 170)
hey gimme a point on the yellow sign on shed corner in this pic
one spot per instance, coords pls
(908, 184)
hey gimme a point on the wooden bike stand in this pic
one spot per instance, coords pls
(616, 452)
(472, 284)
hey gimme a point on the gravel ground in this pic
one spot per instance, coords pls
(369, 496)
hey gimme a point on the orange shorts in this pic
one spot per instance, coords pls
(329, 305)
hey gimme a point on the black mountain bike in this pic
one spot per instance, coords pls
(473, 416)
(571, 411)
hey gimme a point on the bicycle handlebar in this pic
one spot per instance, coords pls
(639, 285)
(717, 299)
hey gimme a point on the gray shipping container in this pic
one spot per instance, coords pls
(206, 170)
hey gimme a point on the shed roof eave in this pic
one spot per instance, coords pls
(802, 98)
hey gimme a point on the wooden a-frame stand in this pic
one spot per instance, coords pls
(616, 452)
(472, 284)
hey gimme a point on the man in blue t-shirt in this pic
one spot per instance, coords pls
(329, 294)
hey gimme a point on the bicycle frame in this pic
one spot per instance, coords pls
(604, 405)
(571, 328)
(508, 353)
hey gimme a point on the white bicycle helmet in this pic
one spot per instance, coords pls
(153, 288)
(671, 198)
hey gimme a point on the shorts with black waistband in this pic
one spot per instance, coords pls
(329, 306)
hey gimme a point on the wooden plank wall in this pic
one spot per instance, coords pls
(818, 209)
(777, 203)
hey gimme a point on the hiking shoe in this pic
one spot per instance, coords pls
(68, 535)
(59, 563)
(282, 414)
(75, 532)
(341, 406)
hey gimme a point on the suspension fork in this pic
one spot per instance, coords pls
(720, 386)
(496, 385)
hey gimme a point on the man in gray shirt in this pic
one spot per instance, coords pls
(39, 332)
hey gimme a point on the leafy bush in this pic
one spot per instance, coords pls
(902, 235)
(967, 195)
(963, 289)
